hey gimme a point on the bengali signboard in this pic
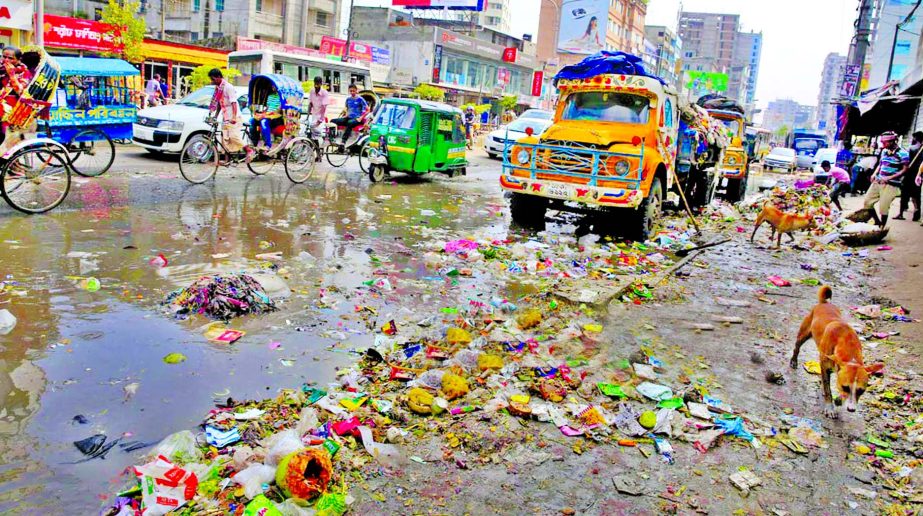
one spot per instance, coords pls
(64, 32)
(582, 27)
(850, 80)
(538, 78)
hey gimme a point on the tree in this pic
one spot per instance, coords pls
(508, 102)
(782, 132)
(427, 92)
(199, 76)
(126, 18)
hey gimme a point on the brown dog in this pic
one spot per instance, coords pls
(839, 349)
(782, 222)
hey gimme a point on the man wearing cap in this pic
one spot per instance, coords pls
(886, 181)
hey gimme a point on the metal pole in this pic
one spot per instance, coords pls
(349, 30)
(163, 17)
(39, 32)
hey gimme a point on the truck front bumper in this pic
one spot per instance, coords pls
(591, 195)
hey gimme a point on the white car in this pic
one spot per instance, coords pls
(496, 140)
(541, 114)
(781, 157)
(167, 128)
(827, 154)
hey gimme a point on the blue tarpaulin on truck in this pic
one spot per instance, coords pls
(606, 62)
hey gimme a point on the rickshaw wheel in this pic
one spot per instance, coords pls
(261, 165)
(377, 173)
(199, 160)
(35, 179)
(365, 155)
(299, 160)
(91, 152)
(336, 155)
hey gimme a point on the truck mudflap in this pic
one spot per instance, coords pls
(574, 173)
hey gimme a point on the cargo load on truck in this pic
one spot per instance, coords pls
(700, 149)
(734, 168)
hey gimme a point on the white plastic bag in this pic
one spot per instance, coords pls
(253, 478)
(179, 445)
(165, 487)
(307, 421)
(280, 445)
(387, 455)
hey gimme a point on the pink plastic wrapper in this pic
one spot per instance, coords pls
(460, 245)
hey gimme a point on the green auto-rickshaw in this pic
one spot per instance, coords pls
(416, 137)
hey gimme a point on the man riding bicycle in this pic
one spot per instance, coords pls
(224, 103)
(356, 108)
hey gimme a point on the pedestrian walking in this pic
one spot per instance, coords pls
(469, 126)
(910, 189)
(887, 179)
(840, 182)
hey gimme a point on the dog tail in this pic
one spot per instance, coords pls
(824, 294)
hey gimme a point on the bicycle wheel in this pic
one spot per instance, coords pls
(299, 160)
(91, 152)
(336, 155)
(261, 164)
(199, 160)
(366, 153)
(35, 180)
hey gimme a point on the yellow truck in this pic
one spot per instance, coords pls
(609, 153)
(734, 169)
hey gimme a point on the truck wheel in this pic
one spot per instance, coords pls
(647, 214)
(528, 210)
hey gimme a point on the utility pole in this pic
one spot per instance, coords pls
(860, 43)
(39, 32)
(163, 18)
(349, 31)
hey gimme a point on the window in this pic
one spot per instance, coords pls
(219, 5)
(396, 115)
(607, 107)
(668, 113)
(321, 19)
(259, 6)
(195, 5)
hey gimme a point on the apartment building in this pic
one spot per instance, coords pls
(830, 80)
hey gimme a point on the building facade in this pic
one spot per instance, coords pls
(496, 16)
(470, 68)
(894, 43)
(788, 113)
(830, 79)
(709, 35)
(747, 52)
(667, 49)
(625, 26)
(294, 22)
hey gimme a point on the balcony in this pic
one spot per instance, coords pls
(267, 25)
(327, 6)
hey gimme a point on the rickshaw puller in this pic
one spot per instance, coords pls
(224, 102)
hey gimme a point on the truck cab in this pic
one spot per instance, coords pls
(609, 152)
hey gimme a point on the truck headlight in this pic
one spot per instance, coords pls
(170, 125)
(522, 157)
(622, 167)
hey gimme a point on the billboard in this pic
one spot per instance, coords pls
(63, 32)
(582, 28)
(464, 5)
(707, 81)
(850, 80)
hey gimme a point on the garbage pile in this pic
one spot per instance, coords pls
(222, 297)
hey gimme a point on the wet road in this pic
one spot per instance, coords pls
(99, 354)
(76, 352)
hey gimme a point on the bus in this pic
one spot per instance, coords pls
(337, 75)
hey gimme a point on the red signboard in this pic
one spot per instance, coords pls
(509, 54)
(64, 32)
(538, 77)
(335, 47)
(259, 44)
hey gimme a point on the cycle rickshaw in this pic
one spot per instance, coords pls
(200, 157)
(34, 172)
(91, 108)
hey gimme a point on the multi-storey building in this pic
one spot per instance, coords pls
(830, 80)
(894, 43)
(748, 49)
(295, 22)
(709, 35)
(496, 16)
(788, 113)
(667, 48)
(625, 27)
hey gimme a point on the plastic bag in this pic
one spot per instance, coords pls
(262, 506)
(178, 446)
(307, 421)
(290, 507)
(253, 478)
(734, 426)
(654, 391)
(165, 487)
(387, 455)
(431, 379)
(282, 444)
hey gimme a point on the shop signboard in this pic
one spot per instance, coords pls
(461, 5)
(259, 44)
(538, 77)
(64, 32)
(16, 14)
(455, 41)
(509, 54)
(437, 63)
(582, 27)
(332, 46)
(850, 80)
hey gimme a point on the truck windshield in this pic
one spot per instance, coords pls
(603, 106)
(396, 115)
(732, 125)
(807, 145)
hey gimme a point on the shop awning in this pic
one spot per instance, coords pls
(96, 67)
(167, 51)
(884, 109)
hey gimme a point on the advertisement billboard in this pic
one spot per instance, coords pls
(465, 5)
(583, 26)
(850, 80)
(707, 81)
(64, 32)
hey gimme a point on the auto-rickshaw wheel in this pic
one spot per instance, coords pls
(377, 173)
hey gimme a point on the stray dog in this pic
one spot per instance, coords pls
(782, 222)
(840, 351)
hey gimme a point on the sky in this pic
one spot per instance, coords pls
(797, 36)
